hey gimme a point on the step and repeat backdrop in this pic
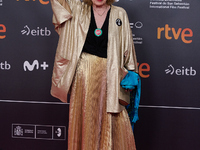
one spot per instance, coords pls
(166, 36)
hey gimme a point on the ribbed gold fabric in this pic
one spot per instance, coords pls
(90, 126)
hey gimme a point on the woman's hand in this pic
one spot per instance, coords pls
(128, 90)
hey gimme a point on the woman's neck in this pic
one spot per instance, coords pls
(102, 7)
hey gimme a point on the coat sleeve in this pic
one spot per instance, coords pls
(62, 11)
(130, 61)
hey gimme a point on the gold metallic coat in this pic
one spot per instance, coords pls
(72, 19)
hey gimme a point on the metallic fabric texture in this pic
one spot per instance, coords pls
(91, 127)
(72, 19)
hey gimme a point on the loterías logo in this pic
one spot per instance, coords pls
(184, 71)
(36, 32)
(35, 65)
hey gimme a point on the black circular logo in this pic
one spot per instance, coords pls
(119, 22)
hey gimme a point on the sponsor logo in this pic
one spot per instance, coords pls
(144, 69)
(43, 132)
(2, 31)
(36, 32)
(46, 132)
(5, 66)
(137, 25)
(1, 2)
(18, 131)
(185, 34)
(44, 2)
(35, 65)
(58, 132)
(183, 71)
(157, 4)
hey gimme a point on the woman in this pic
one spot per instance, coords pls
(94, 52)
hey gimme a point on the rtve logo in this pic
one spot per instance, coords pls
(3, 31)
(36, 32)
(144, 69)
(184, 33)
(181, 71)
(44, 2)
(34, 65)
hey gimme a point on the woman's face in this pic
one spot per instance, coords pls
(99, 3)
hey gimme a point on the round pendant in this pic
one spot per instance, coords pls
(98, 32)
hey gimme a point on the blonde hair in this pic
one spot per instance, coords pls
(89, 2)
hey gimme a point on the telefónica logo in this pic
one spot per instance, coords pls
(36, 32)
(184, 71)
(35, 65)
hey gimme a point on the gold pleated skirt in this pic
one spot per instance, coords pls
(90, 126)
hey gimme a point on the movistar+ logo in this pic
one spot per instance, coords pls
(34, 65)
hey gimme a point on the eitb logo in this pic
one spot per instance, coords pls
(181, 71)
(36, 32)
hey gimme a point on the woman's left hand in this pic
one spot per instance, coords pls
(128, 90)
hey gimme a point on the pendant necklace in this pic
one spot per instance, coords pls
(98, 32)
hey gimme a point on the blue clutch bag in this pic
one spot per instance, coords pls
(132, 81)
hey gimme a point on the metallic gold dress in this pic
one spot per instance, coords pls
(90, 126)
